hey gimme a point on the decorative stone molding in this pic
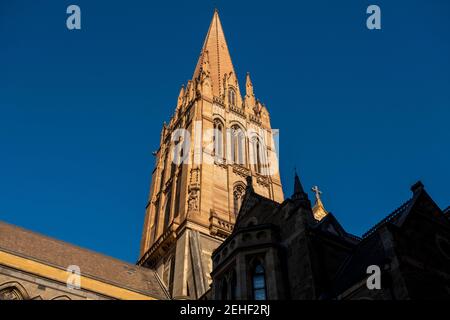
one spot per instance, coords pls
(159, 248)
(255, 119)
(219, 227)
(238, 195)
(194, 191)
(262, 180)
(10, 294)
(193, 200)
(239, 111)
(219, 101)
(168, 184)
(13, 291)
(195, 176)
(241, 170)
(220, 162)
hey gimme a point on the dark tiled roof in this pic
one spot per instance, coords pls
(60, 254)
(265, 209)
(447, 211)
(370, 251)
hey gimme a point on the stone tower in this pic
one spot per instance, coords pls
(214, 142)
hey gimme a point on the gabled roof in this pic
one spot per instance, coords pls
(370, 250)
(59, 254)
(330, 225)
(399, 215)
(266, 207)
(215, 48)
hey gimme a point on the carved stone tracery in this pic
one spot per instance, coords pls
(194, 190)
(11, 291)
(10, 294)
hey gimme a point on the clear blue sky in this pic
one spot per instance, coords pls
(363, 114)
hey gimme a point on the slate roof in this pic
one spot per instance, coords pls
(447, 212)
(368, 252)
(264, 213)
(60, 254)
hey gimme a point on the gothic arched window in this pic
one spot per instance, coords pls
(177, 193)
(259, 282)
(258, 155)
(232, 96)
(156, 208)
(13, 291)
(237, 145)
(64, 297)
(167, 210)
(178, 148)
(218, 140)
(238, 195)
(10, 294)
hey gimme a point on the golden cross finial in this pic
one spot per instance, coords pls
(316, 190)
(318, 209)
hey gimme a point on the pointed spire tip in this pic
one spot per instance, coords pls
(216, 45)
(298, 188)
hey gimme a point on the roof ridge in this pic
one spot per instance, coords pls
(388, 218)
(62, 242)
(161, 283)
(446, 210)
(331, 216)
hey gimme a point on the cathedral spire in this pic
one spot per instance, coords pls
(195, 205)
(220, 63)
(250, 100)
(249, 86)
(298, 188)
(180, 97)
(299, 193)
